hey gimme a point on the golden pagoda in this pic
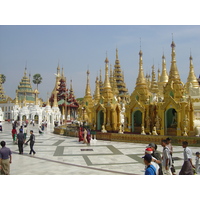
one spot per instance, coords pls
(157, 107)
(175, 112)
(118, 78)
(25, 91)
(135, 110)
(192, 79)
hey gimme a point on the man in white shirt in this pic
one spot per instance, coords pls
(166, 159)
(187, 165)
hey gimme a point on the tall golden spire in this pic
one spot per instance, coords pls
(107, 90)
(141, 87)
(106, 81)
(164, 76)
(58, 70)
(154, 84)
(119, 79)
(55, 102)
(140, 78)
(173, 74)
(174, 86)
(88, 90)
(97, 90)
(192, 79)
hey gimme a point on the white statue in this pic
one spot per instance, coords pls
(143, 133)
(154, 132)
(103, 129)
(120, 129)
(185, 132)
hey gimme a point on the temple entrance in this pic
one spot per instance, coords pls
(24, 118)
(100, 119)
(36, 119)
(170, 122)
(136, 121)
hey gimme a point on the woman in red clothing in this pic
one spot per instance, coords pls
(14, 134)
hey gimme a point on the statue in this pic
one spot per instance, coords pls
(154, 132)
(158, 124)
(103, 129)
(185, 132)
(120, 129)
(143, 133)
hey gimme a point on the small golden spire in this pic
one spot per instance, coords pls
(164, 76)
(48, 103)
(58, 70)
(140, 78)
(173, 74)
(192, 79)
(154, 84)
(88, 90)
(106, 82)
(97, 90)
(55, 102)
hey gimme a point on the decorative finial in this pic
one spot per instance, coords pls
(173, 44)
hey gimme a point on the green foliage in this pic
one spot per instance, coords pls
(37, 79)
(2, 78)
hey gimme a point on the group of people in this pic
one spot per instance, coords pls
(5, 153)
(155, 164)
(84, 135)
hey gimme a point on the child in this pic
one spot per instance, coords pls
(197, 162)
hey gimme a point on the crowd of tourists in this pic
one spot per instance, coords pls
(157, 164)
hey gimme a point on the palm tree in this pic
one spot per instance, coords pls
(2, 78)
(37, 79)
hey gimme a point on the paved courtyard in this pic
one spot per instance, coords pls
(61, 155)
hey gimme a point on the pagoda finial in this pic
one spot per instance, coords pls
(97, 90)
(106, 60)
(58, 70)
(88, 90)
(141, 78)
(117, 54)
(164, 76)
(25, 71)
(106, 82)
(174, 74)
(191, 76)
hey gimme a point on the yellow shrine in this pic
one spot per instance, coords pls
(156, 107)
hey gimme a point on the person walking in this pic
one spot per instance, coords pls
(166, 159)
(14, 134)
(157, 157)
(85, 136)
(187, 167)
(5, 159)
(150, 169)
(1, 129)
(32, 142)
(20, 141)
(197, 167)
(169, 145)
(25, 132)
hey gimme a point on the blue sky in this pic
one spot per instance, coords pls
(78, 48)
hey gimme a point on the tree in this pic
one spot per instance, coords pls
(2, 78)
(37, 79)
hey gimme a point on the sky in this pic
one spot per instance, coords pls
(78, 48)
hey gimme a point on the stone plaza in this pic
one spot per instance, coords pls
(63, 155)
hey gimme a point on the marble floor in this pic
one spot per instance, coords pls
(61, 155)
